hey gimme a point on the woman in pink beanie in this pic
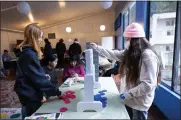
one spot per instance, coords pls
(140, 69)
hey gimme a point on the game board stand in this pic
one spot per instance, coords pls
(88, 102)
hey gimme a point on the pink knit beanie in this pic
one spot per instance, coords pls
(134, 30)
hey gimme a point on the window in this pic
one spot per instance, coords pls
(126, 22)
(150, 34)
(170, 22)
(167, 23)
(173, 22)
(162, 20)
(170, 32)
(167, 48)
(179, 77)
(132, 13)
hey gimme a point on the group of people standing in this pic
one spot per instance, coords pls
(74, 50)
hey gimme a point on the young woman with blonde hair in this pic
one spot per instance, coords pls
(31, 81)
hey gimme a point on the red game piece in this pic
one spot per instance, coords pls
(63, 109)
(66, 95)
(67, 101)
(62, 97)
(69, 95)
(70, 91)
(72, 96)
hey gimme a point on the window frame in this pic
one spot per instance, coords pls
(171, 32)
(126, 13)
(168, 23)
(176, 48)
(129, 11)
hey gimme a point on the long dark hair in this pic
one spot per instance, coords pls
(130, 65)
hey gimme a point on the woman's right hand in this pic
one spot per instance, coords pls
(44, 99)
(93, 45)
(75, 75)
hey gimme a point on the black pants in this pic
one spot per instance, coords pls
(130, 112)
(60, 61)
(30, 108)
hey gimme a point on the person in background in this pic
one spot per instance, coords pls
(1, 63)
(75, 48)
(112, 71)
(31, 81)
(141, 67)
(6, 56)
(49, 69)
(75, 69)
(60, 50)
(2, 75)
(47, 50)
(17, 52)
(83, 61)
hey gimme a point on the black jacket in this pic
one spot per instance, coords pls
(60, 48)
(75, 49)
(53, 74)
(47, 50)
(31, 81)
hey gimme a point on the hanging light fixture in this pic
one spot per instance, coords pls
(106, 4)
(23, 8)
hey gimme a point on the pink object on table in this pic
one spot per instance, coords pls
(62, 97)
(66, 101)
(63, 109)
(72, 96)
(67, 95)
(70, 91)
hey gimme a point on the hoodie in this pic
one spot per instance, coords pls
(31, 81)
(141, 95)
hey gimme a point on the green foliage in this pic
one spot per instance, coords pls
(163, 6)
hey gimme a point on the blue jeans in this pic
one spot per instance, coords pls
(136, 114)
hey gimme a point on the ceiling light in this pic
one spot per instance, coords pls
(62, 4)
(31, 17)
(23, 8)
(106, 4)
(102, 27)
(68, 29)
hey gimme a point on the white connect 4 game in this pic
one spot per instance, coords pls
(89, 84)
